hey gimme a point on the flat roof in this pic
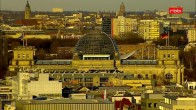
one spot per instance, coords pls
(66, 101)
(96, 55)
(53, 62)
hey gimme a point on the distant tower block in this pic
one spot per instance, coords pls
(27, 11)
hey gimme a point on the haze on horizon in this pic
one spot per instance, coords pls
(97, 5)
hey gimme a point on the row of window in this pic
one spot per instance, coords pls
(23, 56)
(151, 105)
(192, 87)
(168, 76)
(183, 109)
(139, 76)
(168, 55)
(87, 79)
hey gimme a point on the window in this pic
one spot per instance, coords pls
(154, 76)
(27, 55)
(23, 55)
(168, 55)
(155, 105)
(88, 79)
(191, 87)
(149, 105)
(18, 55)
(146, 76)
(78, 79)
(164, 56)
(103, 79)
(139, 76)
(169, 76)
(173, 55)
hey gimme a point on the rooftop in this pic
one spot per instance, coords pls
(168, 48)
(24, 48)
(66, 101)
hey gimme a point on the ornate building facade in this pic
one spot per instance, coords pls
(96, 61)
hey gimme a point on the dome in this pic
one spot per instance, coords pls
(96, 43)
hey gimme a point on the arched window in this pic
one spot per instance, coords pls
(146, 76)
(154, 76)
(139, 76)
(173, 56)
(168, 76)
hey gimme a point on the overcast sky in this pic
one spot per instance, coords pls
(96, 5)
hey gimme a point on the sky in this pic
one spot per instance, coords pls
(97, 5)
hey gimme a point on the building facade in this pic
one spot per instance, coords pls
(122, 25)
(149, 101)
(191, 85)
(22, 56)
(4, 51)
(96, 61)
(191, 35)
(65, 104)
(106, 25)
(26, 85)
(150, 29)
(178, 103)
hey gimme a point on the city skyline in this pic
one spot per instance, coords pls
(101, 5)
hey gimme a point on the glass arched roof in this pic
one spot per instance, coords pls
(96, 43)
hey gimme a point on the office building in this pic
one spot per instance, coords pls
(26, 85)
(3, 54)
(4, 51)
(150, 29)
(106, 25)
(191, 35)
(122, 25)
(149, 101)
(5, 94)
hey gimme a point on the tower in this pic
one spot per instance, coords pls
(27, 11)
(122, 10)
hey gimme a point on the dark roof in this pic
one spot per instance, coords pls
(120, 104)
(27, 22)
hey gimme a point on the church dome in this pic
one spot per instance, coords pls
(97, 43)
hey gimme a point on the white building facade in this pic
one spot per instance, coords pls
(191, 85)
(26, 85)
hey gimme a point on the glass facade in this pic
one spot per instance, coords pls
(96, 44)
